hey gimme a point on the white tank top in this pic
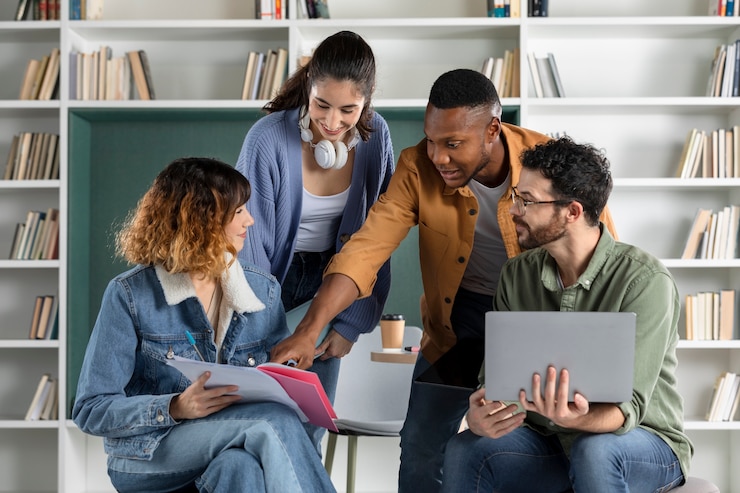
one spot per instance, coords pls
(320, 218)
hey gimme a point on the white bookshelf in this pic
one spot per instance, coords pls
(634, 73)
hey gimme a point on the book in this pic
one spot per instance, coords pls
(36, 88)
(22, 9)
(249, 74)
(51, 77)
(698, 227)
(727, 314)
(322, 9)
(536, 78)
(48, 411)
(19, 228)
(94, 10)
(47, 312)
(36, 315)
(281, 67)
(546, 78)
(147, 73)
(137, 71)
(683, 161)
(10, 164)
(298, 389)
(29, 77)
(39, 398)
(560, 91)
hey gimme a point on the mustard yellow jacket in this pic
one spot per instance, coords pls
(446, 217)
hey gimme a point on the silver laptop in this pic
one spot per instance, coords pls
(597, 348)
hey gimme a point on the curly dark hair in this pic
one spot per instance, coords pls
(179, 222)
(464, 88)
(342, 56)
(577, 172)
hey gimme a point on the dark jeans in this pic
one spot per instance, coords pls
(435, 412)
(300, 285)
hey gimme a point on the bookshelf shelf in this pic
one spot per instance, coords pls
(634, 74)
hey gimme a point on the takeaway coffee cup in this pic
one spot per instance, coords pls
(391, 332)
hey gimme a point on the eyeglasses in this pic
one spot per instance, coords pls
(520, 205)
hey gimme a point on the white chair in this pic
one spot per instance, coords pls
(372, 397)
(696, 485)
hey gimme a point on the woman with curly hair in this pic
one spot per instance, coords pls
(163, 432)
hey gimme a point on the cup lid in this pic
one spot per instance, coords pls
(391, 316)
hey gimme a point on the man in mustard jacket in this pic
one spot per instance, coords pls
(456, 186)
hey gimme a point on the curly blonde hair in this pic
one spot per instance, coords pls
(179, 222)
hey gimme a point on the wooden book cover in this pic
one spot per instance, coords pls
(147, 73)
(137, 70)
(32, 68)
(698, 227)
(35, 316)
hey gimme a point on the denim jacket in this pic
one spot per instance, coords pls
(125, 386)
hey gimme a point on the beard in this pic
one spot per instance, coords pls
(540, 236)
(485, 159)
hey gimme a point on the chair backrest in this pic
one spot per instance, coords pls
(374, 391)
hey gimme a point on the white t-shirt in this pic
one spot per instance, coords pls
(488, 254)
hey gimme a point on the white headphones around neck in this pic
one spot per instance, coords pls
(328, 155)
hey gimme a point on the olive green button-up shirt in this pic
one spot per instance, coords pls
(619, 278)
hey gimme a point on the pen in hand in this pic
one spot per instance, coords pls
(191, 340)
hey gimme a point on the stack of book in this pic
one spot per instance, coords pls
(45, 318)
(538, 8)
(725, 400)
(724, 8)
(504, 73)
(45, 402)
(545, 76)
(38, 10)
(38, 237)
(33, 156)
(85, 9)
(713, 235)
(101, 76)
(265, 73)
(41, 78)
(710, 154)
(503, 8)
(710, 316)
(724, 75)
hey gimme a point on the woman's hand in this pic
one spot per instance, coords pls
(197, 402)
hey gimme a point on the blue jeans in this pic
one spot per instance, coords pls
(256, 447)
(526, 461)
(435, 412)
(300, 285)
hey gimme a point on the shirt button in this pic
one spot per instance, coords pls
(251, 361)
(344, 238)
(447, 300)
(160, 418)
(460, 260)
(472, 212)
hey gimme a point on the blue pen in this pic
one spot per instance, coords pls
(191, 340)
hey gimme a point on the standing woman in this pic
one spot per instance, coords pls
(162, 431)
(317, 163)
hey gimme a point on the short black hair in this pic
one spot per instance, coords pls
(464, 88)
(577, 172)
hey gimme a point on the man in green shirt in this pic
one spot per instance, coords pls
(544, 443)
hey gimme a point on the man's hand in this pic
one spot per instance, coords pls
(492, 419)
(334, 346)
(553, 404)
(298, 347)
(197, 402)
